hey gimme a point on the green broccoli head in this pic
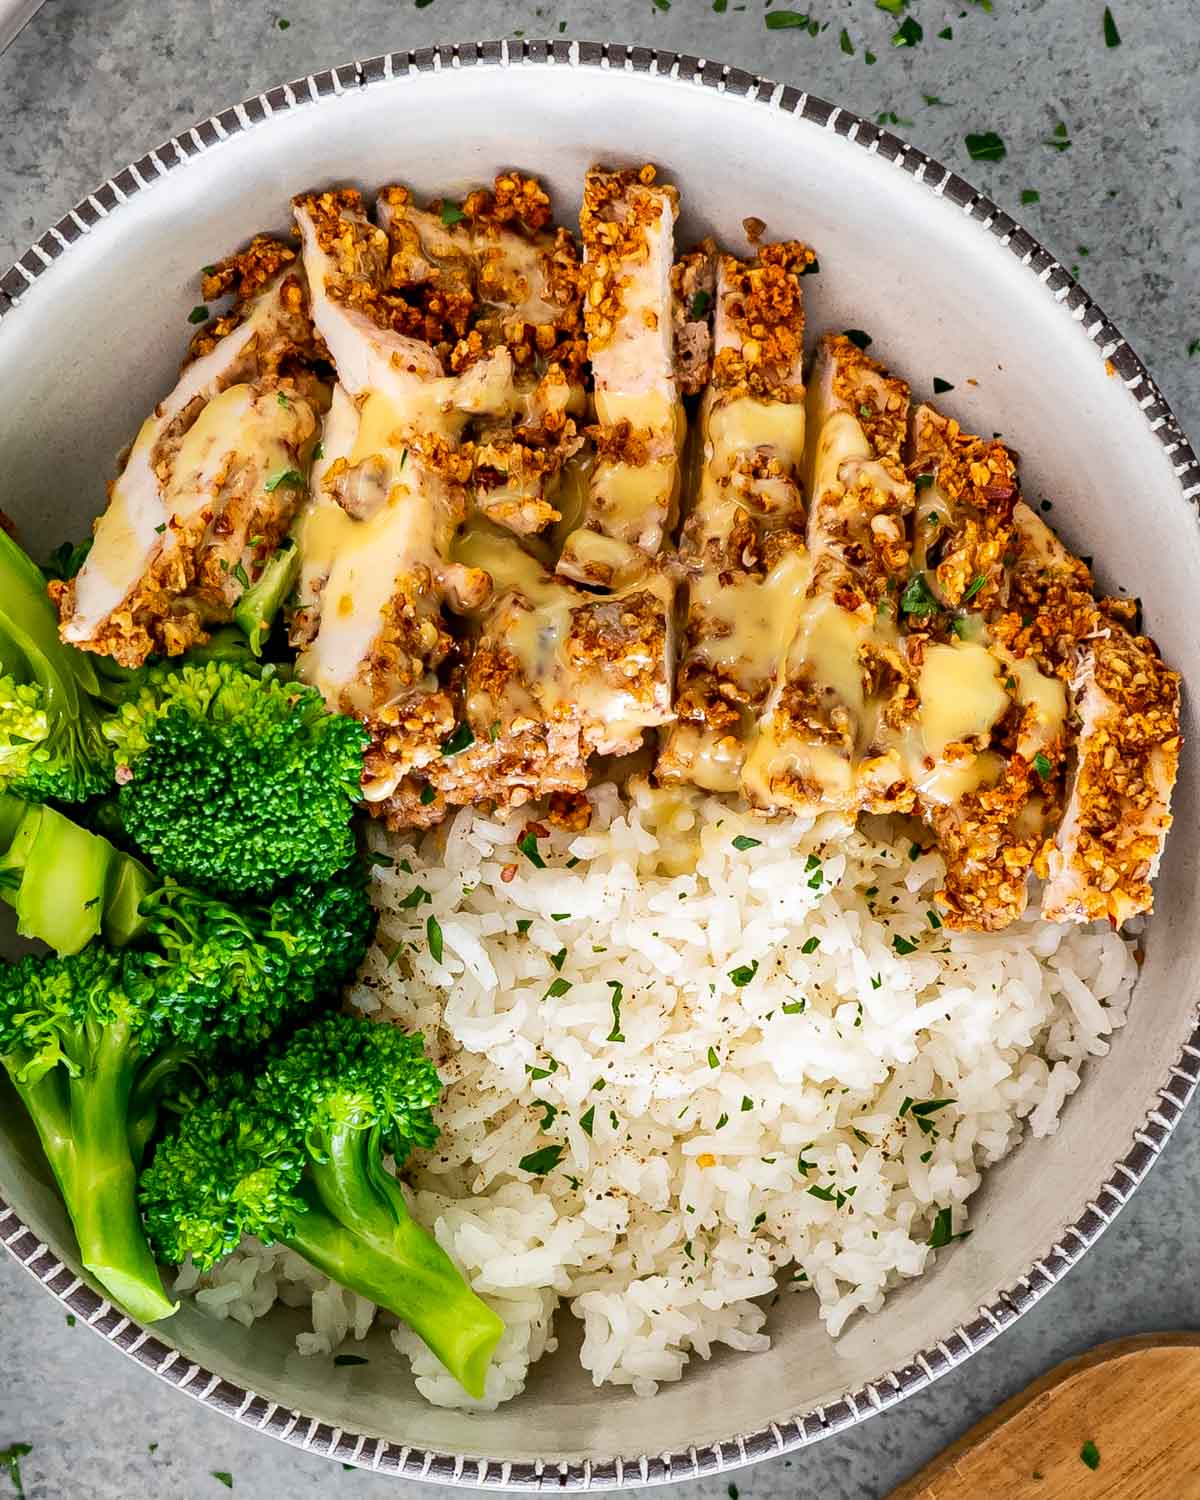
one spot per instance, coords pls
(226, 977)
(52, 1011)
(51, 745)
(235, 779)
(230, 1170)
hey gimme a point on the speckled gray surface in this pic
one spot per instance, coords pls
(91, 84)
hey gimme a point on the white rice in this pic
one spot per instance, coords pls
(719, 1140)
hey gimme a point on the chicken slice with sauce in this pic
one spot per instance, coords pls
(743, 547)
(388, 495)
(827, 737)
(211, 483)
(628, 228)
(555, 675)
(520, 279)
(993, 722)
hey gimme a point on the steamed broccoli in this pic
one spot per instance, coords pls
(296, 1155)
(260, 604)
(236, 779)
(94, 1041)
(66, 883)
(51, 745)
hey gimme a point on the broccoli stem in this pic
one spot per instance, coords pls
(358, 1231)
(256, 610)
(85, 1135)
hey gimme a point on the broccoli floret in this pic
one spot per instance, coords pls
(51, 745)
(236, 780)
(296, 1155)
(66, 883)
(71, 1040)
(96, 1042)
(259, 605)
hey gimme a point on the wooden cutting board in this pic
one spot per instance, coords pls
(1136, 1403)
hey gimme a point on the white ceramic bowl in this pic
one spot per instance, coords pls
(92, 326)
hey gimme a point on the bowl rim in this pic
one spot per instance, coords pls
(382, 1455)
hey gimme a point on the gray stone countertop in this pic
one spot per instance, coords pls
(91, 84)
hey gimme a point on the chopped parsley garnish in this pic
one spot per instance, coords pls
(743, 974)
(974, 586)
(865, 411)
(558, 988)
(942, 1232)
(915, 852)
(926, 1157)
(812, 268)
(700, 305)
(459, 740)
(859, 338)
(560, 916)
(524, 924)
(558, 959)
(290, 479)
(1041, 765)
(588, 1119)
(845, 43)
(986, 146)
(759, 1221)
(1112, 37)
(902, 946)
(721, 1123)
(416, 897)
(616, 1034)
(540, 1162)
(825, 1194)
(810, 945)
(537, 1074)
(922, 482)
(858, 1135)
(161, 527)
(908, 33)
(350, 1359)
(747, 1104)
(551, 1110)
(812, 863)
(744, 842)
(433, 933)
(930, 1107)
(960, 627)
(904, 1108)
(452, 214)
(713, 1060)
(198, 314)
(934, 920)
(917, 598)
(241, 575)
(876, 981)
(1090, 1455)
(792, 1007)
(528, 847)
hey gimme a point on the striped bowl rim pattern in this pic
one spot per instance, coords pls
(381, 1455)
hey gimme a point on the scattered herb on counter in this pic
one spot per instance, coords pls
(1060, 140)
(940, 386)
(528, 847)
(10, 1459)
(785, 20)
(1112, 37)
(616, 1034)
(459, 741)
(986, 146)
(70, 1320)
(744, 842)
(1090, 1455)
(223, 1476)
(908, 33)
(283, 23)
(934, 102)
(845, 43)
(1030, 195)
(942, 1232)
(743, 974)
(946, 34)
(452, 214)
(732, 1492)
(538, 1163)
(198, 314)
(350, 1359)
(868, 58)
(720, 6)
(1193, 348)
(893, 7)
(433, 934)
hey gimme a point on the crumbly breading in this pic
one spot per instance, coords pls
(617, 208)
(765, 309)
